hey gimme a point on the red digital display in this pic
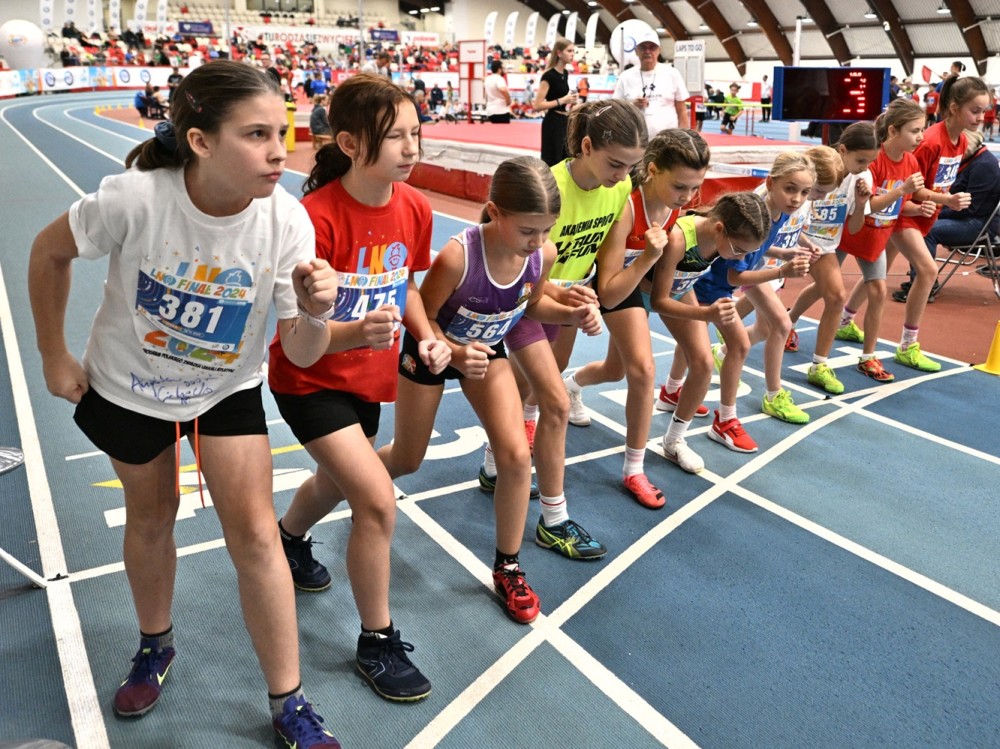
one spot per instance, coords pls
(829, 94)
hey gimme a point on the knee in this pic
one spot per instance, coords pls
(375, 516)
(701, 365)
(513, 460)
(836, 297)
(554, 404)
(403, 465)
(641, 374)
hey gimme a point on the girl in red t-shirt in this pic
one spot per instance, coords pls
(895, 177)
(375, 231)
(963, 102)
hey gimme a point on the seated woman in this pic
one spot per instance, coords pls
(319, 122)
(978, 175)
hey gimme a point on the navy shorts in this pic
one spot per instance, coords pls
(135, 438)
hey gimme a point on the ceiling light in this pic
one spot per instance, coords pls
(702, 26)
(870, 13)
(413, 12)
(943, 10)
(660, 30)
(752, 23)
(435, 8)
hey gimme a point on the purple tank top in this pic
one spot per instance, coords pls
(481, 309)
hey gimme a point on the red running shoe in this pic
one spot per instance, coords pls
(730, 433)
(644, 492)
(520, 601)
(529, 431)
(792, 344)
(668, 402)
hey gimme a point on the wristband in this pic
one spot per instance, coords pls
(318, 321)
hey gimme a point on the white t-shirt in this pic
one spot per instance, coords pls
(494, 85)
(184, 319)
(662, 87)
(829, 214)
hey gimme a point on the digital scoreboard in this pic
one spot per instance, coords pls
(830, 94)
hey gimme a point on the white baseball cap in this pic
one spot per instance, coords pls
(647, 37)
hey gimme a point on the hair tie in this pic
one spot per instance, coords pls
(166, 136)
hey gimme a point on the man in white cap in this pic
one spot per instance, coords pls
(657, 88)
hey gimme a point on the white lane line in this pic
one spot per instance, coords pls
(85, 710)
(48, 162)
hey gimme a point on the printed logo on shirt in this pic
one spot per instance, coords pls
(525, 293)
(381, 258)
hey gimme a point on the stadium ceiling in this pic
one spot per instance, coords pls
(849, 31)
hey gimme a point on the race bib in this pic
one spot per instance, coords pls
(468, 326)
(565, 284)
(890, 213)
(630, 256)
(788, 234)
(684, 281)
(946, 174)
(211, 314)
(827, 217)
(360, 293)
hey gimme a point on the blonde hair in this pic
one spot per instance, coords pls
(790, 162)
(559, 46)
(829, 166)
(898, 113)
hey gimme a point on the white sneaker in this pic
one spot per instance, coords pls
(578, 415)
(677, 451)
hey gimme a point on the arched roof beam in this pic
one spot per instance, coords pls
(661, 11)
(897, 34)
(965, 19)
(819, 12)
(723, 32)
(772, 30)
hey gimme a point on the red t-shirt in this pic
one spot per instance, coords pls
(373, 245)
(887, 174)
(939, 159)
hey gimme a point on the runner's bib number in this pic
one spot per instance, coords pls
(212, 315)
(360, 293)
(469, 327)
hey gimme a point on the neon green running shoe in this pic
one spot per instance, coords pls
(717, 357)
(914, 357)
(850, 332)
(823, 377)
(782, 407)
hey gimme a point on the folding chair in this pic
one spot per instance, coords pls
(11, 458)
(985, 245)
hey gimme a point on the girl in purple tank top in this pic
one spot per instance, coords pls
(479, 285)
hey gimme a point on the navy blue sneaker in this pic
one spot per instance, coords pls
(383, 663)
(488, 484)
(307, 573)
(140, 691)
(299, 727)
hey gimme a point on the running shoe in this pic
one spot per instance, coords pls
(520, 601)
(141, 689)
(823, 377)
(717, 357)
(643, 491)
(732, 435)
(782, 407)
(383, 663)
(488, 484)
(792, 344)
(679, 452)
(307, 573)
(850, 332)
(301, 728)
(529, 431)
(578, 415)
(873, 368)
(914, 358)
(569, 539)
(668, 402)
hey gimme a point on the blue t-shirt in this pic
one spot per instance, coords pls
(715, 284)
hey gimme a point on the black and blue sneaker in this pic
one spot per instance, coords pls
(488, 484)
(383, 663)
(299, 727)
(141, 689)
(307, 573)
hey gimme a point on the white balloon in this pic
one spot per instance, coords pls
(22, 45)
(623, 41)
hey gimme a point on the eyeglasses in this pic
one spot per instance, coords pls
(732, 248)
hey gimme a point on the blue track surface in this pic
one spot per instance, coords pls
(837, 589)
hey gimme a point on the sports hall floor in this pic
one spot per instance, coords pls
(839, 588)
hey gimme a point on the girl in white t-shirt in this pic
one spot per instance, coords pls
(201, 241)
(844, 206)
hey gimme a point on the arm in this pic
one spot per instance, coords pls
(541, 104)
(682, 113)
(545, 308)
(615, 282)
(862, 194)
(721, 311)
(434, 352)
(306, 338)
(795, 268)
(49, 281)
